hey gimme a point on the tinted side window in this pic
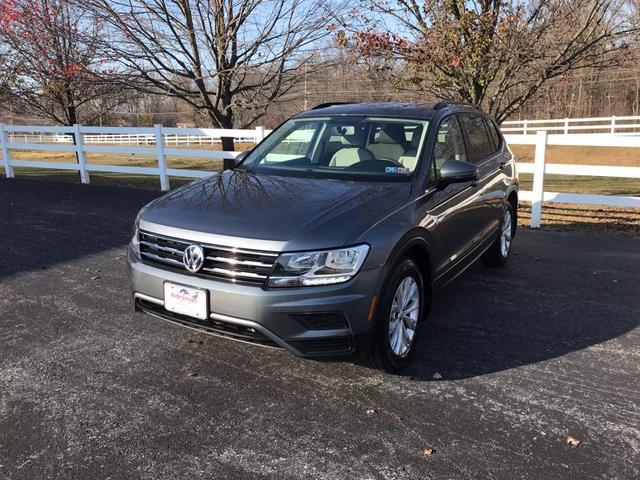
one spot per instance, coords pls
(493, 133)
(449, 143)
(479, 145)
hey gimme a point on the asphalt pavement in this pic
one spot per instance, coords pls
(512, 362)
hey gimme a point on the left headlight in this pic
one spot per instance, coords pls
(135, 240)
(323, 267)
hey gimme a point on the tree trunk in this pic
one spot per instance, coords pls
(228, 144)
(227, 122)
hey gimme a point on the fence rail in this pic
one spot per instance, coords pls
(625, 125)
(539, 168)
(83, 141)
(156, 141)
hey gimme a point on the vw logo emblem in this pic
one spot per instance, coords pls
(193, 258)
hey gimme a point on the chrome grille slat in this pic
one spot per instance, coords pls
(259, 253)
(234, 261)
(162, 259)
(160, 247)
(221, 262)
(233, 273)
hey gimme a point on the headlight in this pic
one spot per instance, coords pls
(318, 268)
(135, 240)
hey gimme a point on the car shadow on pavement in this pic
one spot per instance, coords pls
(48, 223)
(492, 320)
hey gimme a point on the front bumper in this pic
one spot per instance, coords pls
(322, 321)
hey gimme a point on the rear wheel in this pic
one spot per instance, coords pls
(401, 309)
(499, 251)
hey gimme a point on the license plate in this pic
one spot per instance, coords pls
(185, 300)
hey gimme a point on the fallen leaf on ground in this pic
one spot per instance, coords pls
(371, 411)
(427, 452)
(191, 375)
(397, 418)
(95, 277)
(574, 442)
(437, 376)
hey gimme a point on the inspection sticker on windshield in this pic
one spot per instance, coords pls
(400, 170)
(185, 300)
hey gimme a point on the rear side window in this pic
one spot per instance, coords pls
(479, 145)
(493, 133)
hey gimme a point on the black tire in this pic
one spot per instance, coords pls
(495, 256)
(382, 355)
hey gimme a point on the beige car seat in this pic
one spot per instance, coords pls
(389, 142)
(353, 153)
(410, 158)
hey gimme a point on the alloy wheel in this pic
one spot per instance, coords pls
(404, 316)
(505, 236)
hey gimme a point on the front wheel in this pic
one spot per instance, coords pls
(499, 251)
(401, 309)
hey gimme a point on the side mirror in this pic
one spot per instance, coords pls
(231, 163)
(457, 171)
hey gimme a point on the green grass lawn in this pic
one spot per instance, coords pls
(147, 182)
(629, 187)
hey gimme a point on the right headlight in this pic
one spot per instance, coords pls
(324, 267)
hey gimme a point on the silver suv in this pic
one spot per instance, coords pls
(329, 238)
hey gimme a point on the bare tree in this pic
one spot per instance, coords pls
(218, 56)
(59, 66)
(493, 53)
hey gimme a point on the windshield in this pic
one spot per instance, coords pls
(350, 147)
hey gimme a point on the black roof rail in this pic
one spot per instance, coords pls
(453, 103)
(330, 104)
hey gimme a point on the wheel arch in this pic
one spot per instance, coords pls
(417, 246)
(512, 198)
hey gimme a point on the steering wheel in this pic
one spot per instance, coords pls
(394, 162)
(374, 165)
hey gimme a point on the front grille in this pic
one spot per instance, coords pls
(324, 346)
(218, 327)
(225, 263)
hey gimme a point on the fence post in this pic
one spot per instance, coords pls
(613, 124)
(82, 158)
(259, 134)
(6, 156)
(566, 126)
(162, 159)
(538, 179)
(524, 129)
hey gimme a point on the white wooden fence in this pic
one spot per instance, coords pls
(157, 144)
(539, 168)
(629, 125)
(126, 138)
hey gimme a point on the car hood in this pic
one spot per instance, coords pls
(289, 212)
